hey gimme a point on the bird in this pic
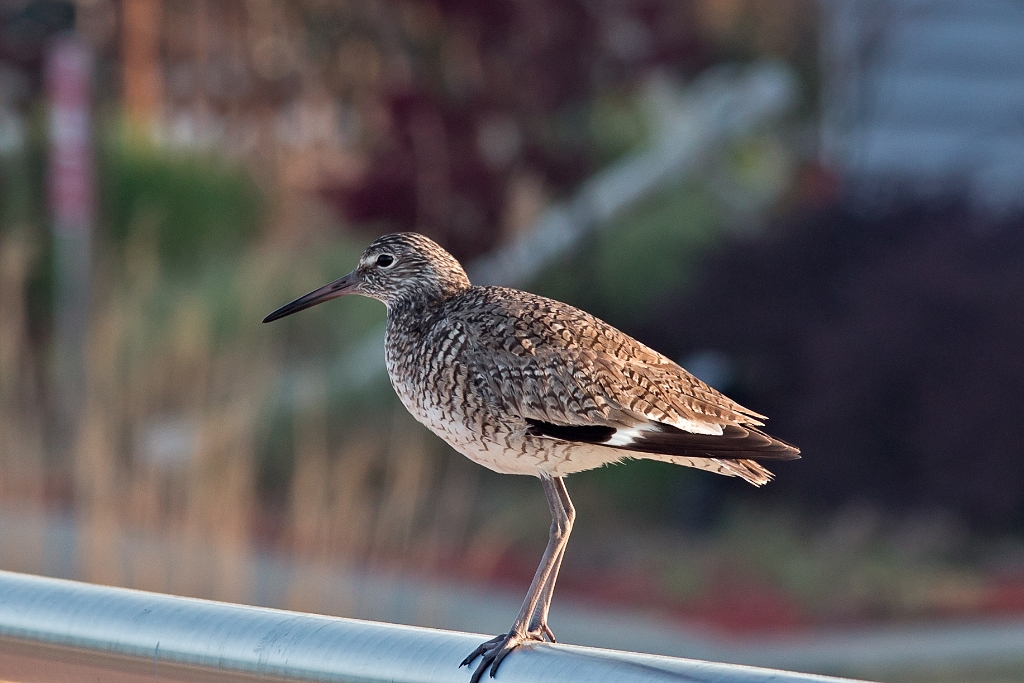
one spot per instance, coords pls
(524, 384)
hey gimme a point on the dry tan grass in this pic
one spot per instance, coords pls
(146, 372)
(22, 448)
(169, 432)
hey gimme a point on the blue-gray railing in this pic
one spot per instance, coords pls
(57, 630)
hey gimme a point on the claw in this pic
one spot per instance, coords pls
(493, 652)
(482, 649)
(502, 653)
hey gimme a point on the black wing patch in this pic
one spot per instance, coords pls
(581, 434)
(735, 442)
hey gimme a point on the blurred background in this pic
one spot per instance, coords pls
(817, 206)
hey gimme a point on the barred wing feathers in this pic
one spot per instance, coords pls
(572, 377)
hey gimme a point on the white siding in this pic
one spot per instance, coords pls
(924, 92)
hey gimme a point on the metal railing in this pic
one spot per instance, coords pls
(57, 630)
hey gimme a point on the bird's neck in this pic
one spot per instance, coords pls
(426, 295)
(414, 313)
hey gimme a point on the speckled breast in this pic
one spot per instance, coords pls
(454, 401)
(433, 387)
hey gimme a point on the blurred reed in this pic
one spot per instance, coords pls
(169, 447)
(22, 447)
(168, 433)
(383, 499)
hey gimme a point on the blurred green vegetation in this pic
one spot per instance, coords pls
(199, 206)
(200, 211)
(23, 211)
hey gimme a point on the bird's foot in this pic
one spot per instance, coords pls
(494, 651)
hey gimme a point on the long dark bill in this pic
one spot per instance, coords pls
(340, 287)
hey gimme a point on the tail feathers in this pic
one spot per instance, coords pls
(659, 441)
(748, 470)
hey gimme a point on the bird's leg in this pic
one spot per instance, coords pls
(539, 620)
(496, 649)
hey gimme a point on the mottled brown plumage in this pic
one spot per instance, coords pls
(527, 385)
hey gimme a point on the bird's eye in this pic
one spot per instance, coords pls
(385, 260)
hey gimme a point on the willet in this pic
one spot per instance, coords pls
(527, 385)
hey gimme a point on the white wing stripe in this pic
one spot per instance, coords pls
(630, 435)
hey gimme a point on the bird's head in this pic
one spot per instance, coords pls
(396, 268)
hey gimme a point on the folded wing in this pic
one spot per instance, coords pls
(590, 383)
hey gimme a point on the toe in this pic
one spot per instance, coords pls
(482, 649)
(493, 653)
(500, 657)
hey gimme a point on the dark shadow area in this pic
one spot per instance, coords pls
(887, 345)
